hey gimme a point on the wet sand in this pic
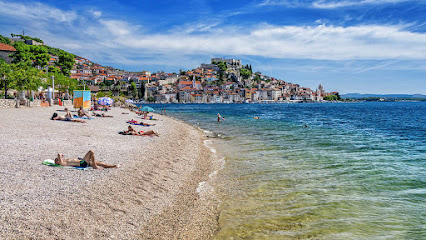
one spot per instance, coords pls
(153, 195)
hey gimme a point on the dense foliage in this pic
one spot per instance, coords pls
(332, 97)
(4, 40)
(245, 73)
(24, 74)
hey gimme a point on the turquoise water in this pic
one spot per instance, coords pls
(356, 172)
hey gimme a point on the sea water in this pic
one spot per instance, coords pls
(355, 171)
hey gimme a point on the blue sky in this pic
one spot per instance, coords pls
(365, 46)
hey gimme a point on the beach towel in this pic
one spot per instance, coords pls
(84, 117)
(126, 133)
(136, 123)
(51, 162)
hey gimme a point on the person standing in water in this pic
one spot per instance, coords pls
(219, 117)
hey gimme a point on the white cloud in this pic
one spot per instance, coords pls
(36, 11)
(320, 42)
(328, 4)
(96, 14)
(118, 28)
(376, 67)
(117, 38)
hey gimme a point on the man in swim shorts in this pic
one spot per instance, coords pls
(86, 161)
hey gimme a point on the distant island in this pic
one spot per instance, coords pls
(28, 64)
(385, 97)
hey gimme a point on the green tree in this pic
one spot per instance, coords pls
(53, 69)
(65, 62)
(257, 78)
(5, 40)
(222, 66)
(132, 89)
(26, 77)
(22, 53)
(62, 82)
(330, 98)
(245, 73)
(141, 92)
(40, 55)
(5, 76)
(100, 94)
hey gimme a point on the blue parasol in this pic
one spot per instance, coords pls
(147, 109)
(104, 101)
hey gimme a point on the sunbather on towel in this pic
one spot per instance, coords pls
(82, 113)
(100, 115)
(148, 133)
(132, 131)
(87, 160)
(66, 118)
(140, 123)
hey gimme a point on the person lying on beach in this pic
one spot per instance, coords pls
(55, 116)
(140, 123)
(100, 114)
(132, 131)
(82, 113)
(86, 161)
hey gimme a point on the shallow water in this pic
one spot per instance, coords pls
(356, 172)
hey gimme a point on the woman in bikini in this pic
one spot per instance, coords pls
(132, 131)
(86, 161)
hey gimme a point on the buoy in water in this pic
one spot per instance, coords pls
(256, 117)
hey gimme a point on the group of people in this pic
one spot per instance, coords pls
(89, 158)
(80, 114)
(100, 108)
(68, 116)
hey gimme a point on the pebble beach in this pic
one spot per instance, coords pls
(153, 195)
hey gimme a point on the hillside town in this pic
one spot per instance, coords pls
(208, 83)
(219, 81)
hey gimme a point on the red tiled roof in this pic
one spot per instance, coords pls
(185, 82)
(5, 47)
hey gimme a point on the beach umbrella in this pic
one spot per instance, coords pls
(105, 101)
(129, 101)
(147, 109)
